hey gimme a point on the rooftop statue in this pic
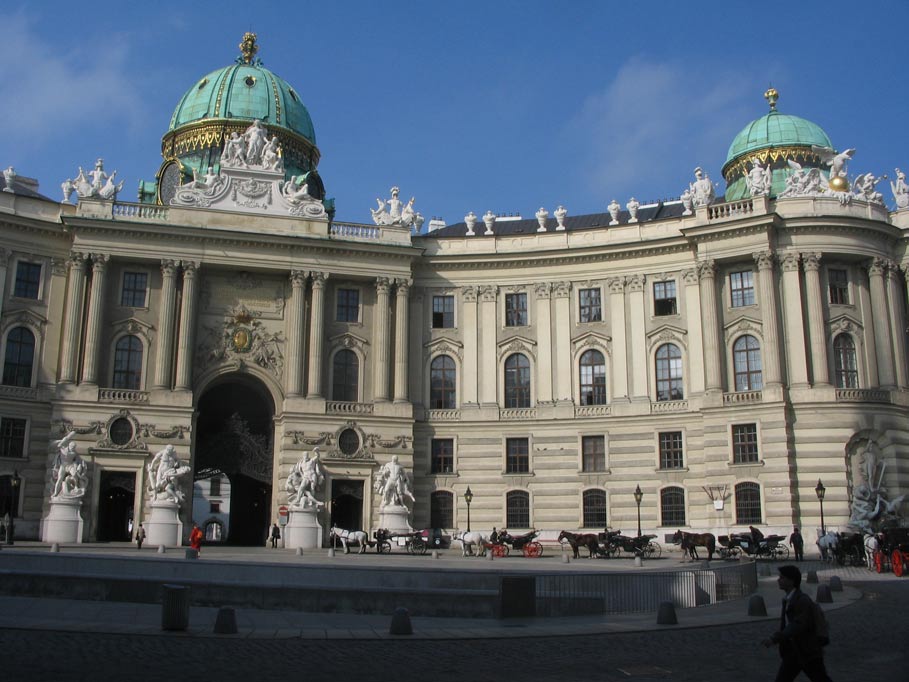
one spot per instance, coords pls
(271, 155)
(306, 477)
(632, 207)
(836, 161)
(94, 184)
(9, 178)
(234, 154)
(69, 472)
(109, 191)
(864, 188)
(296, 193)
(759, 179)
(163, 472)
(395, 212)
(702, 190)
(900, 190)
(613, 209)
(255, 137)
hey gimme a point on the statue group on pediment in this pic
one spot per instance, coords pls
(252, 149)
(396, 212)
(95, 184)
(759, 179)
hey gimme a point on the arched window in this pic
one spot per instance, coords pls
(845, 367)
(669, 373)
(746, 357)
(593, 378)
(128, 363)
(441, 509)
(517, 509)
(672, 507)
(595, 509)
(442, 384)
(517, 381)
(20, 357)
(747, 503)
(345, 376)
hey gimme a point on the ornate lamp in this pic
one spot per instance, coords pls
(820, 490)
(468, 498)
(638, 496)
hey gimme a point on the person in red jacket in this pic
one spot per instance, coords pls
(195, 539)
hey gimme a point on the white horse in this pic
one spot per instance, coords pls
(827, 544)
(472, 543)
(872, 544)
(349, 537)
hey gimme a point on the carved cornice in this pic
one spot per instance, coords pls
(444, 347)
(517, 344)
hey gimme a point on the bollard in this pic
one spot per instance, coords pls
(161, 549)
(565, 558)
(55, 547)
(823, 596)
(174, 607)
(836, 585)
(191, 554)
(488, 555)
(666, 614)
(812, 577)
(226, 622)
(400, 623)
(435, 554)
(331, 552)
(756, 606)
(638, 561)
(299, 551)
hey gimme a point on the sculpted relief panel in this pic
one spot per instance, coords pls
(222, 294)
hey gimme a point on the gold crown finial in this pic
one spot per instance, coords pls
(772, 96)
(248, 47)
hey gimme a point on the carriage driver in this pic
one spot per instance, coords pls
(494, 536)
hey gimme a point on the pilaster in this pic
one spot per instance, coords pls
(316, 334)
(187, 327)
(163, 366)
(814, 295)
(69, 347)
(95, 316)
(794, 321)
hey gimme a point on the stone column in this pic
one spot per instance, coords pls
(168, 305)
(898, 325)
(69, 345)
(185, 344)
(4, 266)
(543, 323)
(294, 331)
(879, 315)
(771, 367)
(380, 340)
(619, 350)
(563, 373)
(316, 333)
(95, 316)
(488, 361)
(469, 376)
(794, 320)
(402, 315)
(707, 274)
(814, 295)
(639, 361)
(870, 343)
(695, 336)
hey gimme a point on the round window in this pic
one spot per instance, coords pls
(349, 442)
(250, 81)
(121, 431)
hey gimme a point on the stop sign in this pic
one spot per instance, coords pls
(283, 513)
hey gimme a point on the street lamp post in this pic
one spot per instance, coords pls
(468, 498)
(821, 491)
(11, 511)
(638, 496)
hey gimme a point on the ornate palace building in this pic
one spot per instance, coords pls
(720, 355)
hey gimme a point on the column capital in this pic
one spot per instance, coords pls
(469, 294)
(58, 265)
(635, 283)
(100, 261)
(298, 278)
(189, 267)
(789, 261)
(168, 267)
(489, 293)
(383, 284)
(542, 289)
(403, 285)
(811, 262)
(706, 269)
(616, 285)
(561, 289)
(877, 266)
(690, 276)
(76, 261)
(764, 259)
(318, 279)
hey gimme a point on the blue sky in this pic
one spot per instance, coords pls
(503, 106)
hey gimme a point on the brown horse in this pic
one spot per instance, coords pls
(691, 541)
(578, 540)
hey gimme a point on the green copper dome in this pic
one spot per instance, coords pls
(772, 140)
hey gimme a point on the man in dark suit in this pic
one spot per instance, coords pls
(797, 638)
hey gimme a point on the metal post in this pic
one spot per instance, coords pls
(638, 496)
(468, 498)
(820, 490)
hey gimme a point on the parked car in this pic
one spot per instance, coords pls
(436, 538)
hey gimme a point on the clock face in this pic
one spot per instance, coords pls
(171, 179)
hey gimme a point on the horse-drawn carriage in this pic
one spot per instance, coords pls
(734, 545)
(614, 545)
(892, 551)
(413, 541)
(850, 548)
(526, 544)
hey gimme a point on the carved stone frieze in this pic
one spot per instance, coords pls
(241, 338)
(64, 426)
(375, 440)
(173, 433)
(300, 438)
(134, 442)
(690, 277)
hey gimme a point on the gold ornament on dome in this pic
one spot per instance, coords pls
(742, 164)
(772, 96)
(839, 184)
(248, 47)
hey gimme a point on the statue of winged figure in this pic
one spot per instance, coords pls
(836, 161)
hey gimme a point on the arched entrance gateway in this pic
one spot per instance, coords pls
(235, 437)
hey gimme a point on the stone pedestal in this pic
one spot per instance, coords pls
(303, 530)
(393, 518)
(64, 522)
(164, 526)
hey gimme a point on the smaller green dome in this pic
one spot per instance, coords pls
(777, 130)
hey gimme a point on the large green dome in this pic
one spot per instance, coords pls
(773, 139)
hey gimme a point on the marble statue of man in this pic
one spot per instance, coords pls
(759, 179)
(256, 137)
(163, 472)
(306, 477)
(392, 483)
(900, 190)
(70, 472)
(702, 190)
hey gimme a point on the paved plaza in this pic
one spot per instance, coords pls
(58, 639)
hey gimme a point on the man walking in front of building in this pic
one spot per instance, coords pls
(140, 536)
(800, 648)
(798, 543)
(275, 535)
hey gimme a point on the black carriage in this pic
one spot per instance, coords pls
(413, 541)
(614, 545)
(892, 551)
(850, 549)
(526, 544)
(734, 545)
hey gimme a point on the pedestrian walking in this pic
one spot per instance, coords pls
(275, 535)
(140, 536)
(195, 539)
(797, 542)
(801, 648)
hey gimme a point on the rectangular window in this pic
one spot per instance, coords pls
(664, 300)
(135, 285)
(591, 309)
(348, 305)
(671, 454)
(28, 280)
(515, 310)
(593, 453)
(744, 444)
(215, 508)
(442, 456)
(741, 285)
(215, 488)
(517, 456)
(839, 286)
(443, 312)
(12, 437)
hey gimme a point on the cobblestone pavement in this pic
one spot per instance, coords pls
(869, 642)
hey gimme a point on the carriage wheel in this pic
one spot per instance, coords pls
(383, 547)
(419, 547)
(780, 553)
(500, 551)
(533, 550)
(896, 561)
(878, 560)
(652, 550)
